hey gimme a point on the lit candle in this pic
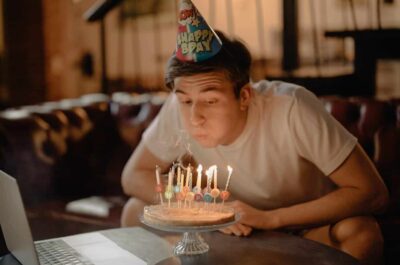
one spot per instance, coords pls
(209, 174)
(229, 176)
(177, 187)
(190, 181)
(198, 184)
(215, 191)
(225, 194)
(159, 186)
(170, 176)
(187, 176)
(215, 177)
(182, 181)
(179, 176)
(168, 191)
(158, 175)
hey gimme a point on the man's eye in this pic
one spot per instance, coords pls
(211, 101)
(186, 102)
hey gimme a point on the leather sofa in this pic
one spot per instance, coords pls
(376, 124)
(70, 149)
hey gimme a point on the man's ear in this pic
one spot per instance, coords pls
(246, 93)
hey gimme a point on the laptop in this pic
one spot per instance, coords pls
(83, 249)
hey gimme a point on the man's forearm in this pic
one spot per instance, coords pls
(140, 185)
(335, 206)
(361, 191)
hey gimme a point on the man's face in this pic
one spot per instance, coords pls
(211, 113)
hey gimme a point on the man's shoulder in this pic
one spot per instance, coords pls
(277, 89)
(279, 98)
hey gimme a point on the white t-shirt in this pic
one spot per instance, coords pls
(289, 146)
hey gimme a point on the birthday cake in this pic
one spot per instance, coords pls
(194, 216)
(185, 205)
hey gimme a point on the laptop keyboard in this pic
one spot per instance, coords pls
(57, 252)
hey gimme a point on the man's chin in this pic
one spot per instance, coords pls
(206, 143)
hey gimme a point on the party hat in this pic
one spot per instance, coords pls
(196, 40)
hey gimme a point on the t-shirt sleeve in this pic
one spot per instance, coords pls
(318, 137)
(163, 136)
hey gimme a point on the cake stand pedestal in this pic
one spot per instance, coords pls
(191, 243)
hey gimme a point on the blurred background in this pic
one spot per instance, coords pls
(51, 50)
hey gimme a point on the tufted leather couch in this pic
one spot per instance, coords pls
(74, 148)
(376, 124)
(71, 149)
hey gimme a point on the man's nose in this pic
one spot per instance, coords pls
(196, 115)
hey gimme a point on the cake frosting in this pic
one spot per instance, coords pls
(194, 216)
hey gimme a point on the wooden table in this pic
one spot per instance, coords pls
(261, 247)
(50, 220)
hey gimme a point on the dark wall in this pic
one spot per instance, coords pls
(24, 51)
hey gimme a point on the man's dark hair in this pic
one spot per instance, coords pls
(233, 59)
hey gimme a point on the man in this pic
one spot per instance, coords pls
(295, 167)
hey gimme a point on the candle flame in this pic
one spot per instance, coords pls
(209, 172)
(212, 168)
(199, 169)
(230, 170)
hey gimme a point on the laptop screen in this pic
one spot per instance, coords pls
(16, 231)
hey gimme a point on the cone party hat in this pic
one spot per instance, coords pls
(196, 40)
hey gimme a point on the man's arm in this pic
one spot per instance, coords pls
(138, 176)
(360, 191)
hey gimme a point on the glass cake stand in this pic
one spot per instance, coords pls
(191, 243)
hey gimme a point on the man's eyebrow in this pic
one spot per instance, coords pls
(207, 89)
(179, 91)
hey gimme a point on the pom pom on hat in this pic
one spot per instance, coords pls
(196, 40)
